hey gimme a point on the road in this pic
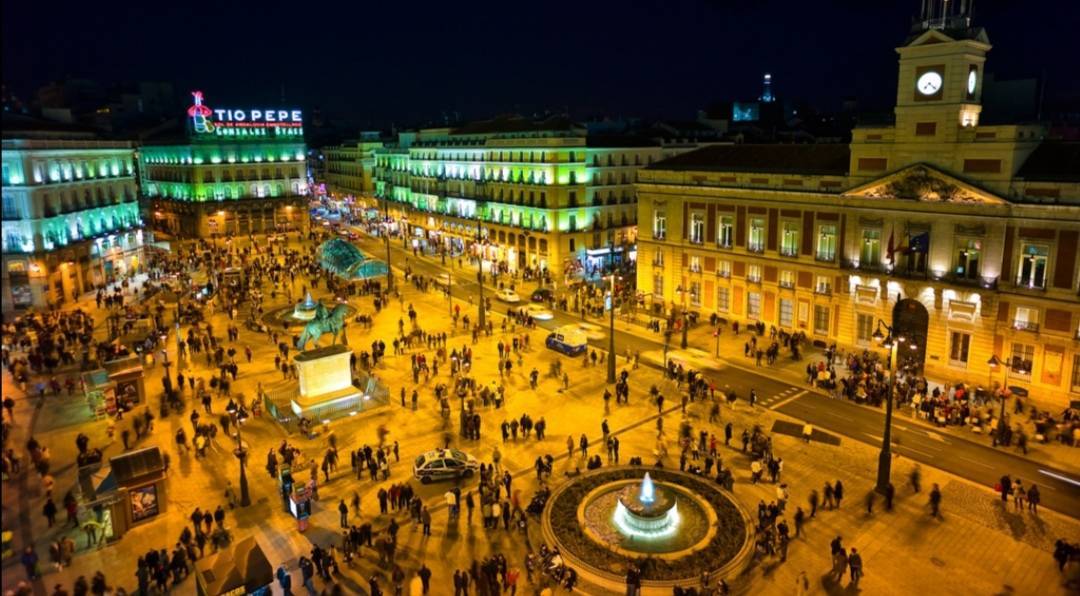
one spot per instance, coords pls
(970, 459)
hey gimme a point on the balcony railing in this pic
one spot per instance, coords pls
(789, 252)
(1026, 326)
(787, 284)
(825, 257)
(758, 248)
(725, 273)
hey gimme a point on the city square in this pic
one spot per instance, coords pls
(542, 354)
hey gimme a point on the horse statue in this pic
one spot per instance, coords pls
(325, 321)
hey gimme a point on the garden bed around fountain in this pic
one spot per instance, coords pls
(719, 543)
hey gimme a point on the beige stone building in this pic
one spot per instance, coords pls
(350, 167)
(979, 223)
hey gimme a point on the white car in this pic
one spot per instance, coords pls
(591, 331)
(510, 296)
(539, 312)
(443, 464)
(442, 280)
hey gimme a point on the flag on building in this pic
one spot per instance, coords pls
(920, 243)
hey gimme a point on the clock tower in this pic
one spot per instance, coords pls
(941, 74)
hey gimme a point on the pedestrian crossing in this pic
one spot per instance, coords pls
(775, 401)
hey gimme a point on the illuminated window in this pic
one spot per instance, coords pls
(754, 274)
(870, 254)
(695, 264)
(967, 259)
(753, 305)
(1026, 319)
(1034, 260)
(823, 285)
(959, 345)
(756, 237)
(723, 269)
(826, 246)
(659, 225)
(787, 312)
(697, 227)
(658, 284)
(821, 320)
(723, 299)
(789, 240)
(1075, 384)
(1020, 362)
(864, 328)
(726, 232)
(695, 293)
(787, 279)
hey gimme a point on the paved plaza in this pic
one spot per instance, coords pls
(977, 546)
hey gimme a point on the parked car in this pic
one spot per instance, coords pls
(568, 340)
(444, 464)
(506, 295)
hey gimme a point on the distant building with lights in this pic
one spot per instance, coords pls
(980, 224)
(71, 216)
(349, 168)
(535, 193)
(228, 171)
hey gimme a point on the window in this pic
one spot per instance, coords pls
(697, 227)
(787, 279)
(658, 284)
(967, 259)
(787, 312)
(573, 223)
(823, 285)
(1075, 385)
(658, 258)
(1026, 319)
(756, 239)
(821, 320)
(1020, 361)
(695, 264)
(723, 299)
(864, 328)
(695, 293)
(1033, 263)
(726, 235)
(659, 225)
(870, 255)
(789, 240)
(723, 269)
(753, 305)
(959, 344)
(572, 246)
(754, 274)
(826, 245)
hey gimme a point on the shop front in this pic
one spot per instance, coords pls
(129, 491)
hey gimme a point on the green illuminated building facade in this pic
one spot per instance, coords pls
(71, 217)
(225, 187)
(535, 193)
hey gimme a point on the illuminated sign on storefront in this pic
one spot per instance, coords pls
(255, 122)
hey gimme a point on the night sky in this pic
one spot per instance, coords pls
(376, 63)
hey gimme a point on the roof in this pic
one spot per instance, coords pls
(807, 159)
(515, 123)
(619, 140)
(136, 464)
(1053, 161)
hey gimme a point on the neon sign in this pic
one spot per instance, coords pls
(228, 122)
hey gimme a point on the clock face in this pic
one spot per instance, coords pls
(929, 83)
(973, 78)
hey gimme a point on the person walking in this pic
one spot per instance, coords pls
(343, 509)
(855, 564)
(838, 492)
(935, 501)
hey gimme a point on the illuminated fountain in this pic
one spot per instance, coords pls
(305, 310)
(646, 511)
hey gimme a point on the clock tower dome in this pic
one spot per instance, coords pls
(941, 73)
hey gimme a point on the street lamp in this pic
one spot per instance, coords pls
(994, 362)
(685, 326)
(885, 456)
(611, 335)
(239, 415)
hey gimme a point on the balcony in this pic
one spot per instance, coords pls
(724, 273)
(755, 248)
(789, 251)
(753, 279)
(1026, 326)
(825, 257)
(823, 290)
(787, 284)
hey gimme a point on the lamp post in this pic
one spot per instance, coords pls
(885, 456)
(238, 416)
(685, 321)
(386, 236)
(480, 276)
(611, 334)
(994, 362)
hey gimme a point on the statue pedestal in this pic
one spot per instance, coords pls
(326, 389)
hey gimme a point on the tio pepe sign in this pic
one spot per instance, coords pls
(231, 122)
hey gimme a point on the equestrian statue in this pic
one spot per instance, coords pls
(325, 321)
